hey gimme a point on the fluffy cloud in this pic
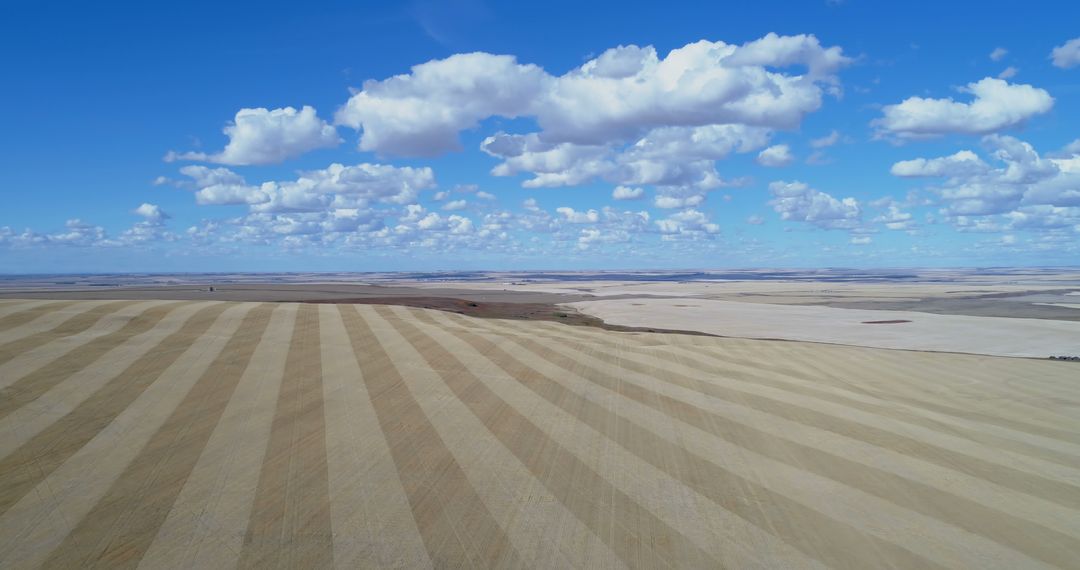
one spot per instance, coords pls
(826, 141)
(261, 136)
(627, 193)
(995, 105)
(1022, 185)
(896, 219)
(574, 217)
(337, 185)
(797, 201)
(1008, 73)
(1067, 54)
(151, 212)
(775, 156)
(702, 83)
(422, 112)
(687, 224)
(962, 163)
(998, 54)
(674, 159)
(618, 96)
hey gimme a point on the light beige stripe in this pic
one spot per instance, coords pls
(958, 387)
(511, 493)
(958, 381)
(1033, 509)
(20, 305)
(964, 426)
(951, 546)
(964, 447)
(206, 526)
(720, 355)
(48, 321)
(42, 519)
(15, 369)
(732, 540)
(371, 519)
(24, 423)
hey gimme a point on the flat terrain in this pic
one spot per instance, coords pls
(211, 434)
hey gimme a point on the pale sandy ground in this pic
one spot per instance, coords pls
(998, 336)
(160, 434)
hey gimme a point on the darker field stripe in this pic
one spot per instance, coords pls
(290, 519)
(1033, 539)
(762, 364)
(76, 324)
(1012, 478)
(442, 500)
(716, 365)
(35, 460)
(596, 503)
(33, 385)
(723, 487)
(980, 417)
(712, 364)
(123, 523)
(24, 316)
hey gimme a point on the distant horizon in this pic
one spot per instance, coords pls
(541, 271)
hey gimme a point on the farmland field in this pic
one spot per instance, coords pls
(210, 434)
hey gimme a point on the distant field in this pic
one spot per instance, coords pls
(211, 434)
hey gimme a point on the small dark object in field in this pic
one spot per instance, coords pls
(1068, 358)
(893, 322)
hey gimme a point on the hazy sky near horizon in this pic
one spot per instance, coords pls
(468, 134)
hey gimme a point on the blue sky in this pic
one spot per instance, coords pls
(204, 136)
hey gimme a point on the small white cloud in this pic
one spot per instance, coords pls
(455, 205)
(1008, 73)
(860, 240)
(961, 163)
(574, 217)
(826, 141)
(673, 201)
(627, 193)
(261, 136)
(1067, 54)
(996, 105)
(485, 195)
(775, 156)
(151, 212)
(755, 220)
(798, 202)
(998, 54)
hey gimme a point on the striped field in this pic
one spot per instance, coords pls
(179, 434)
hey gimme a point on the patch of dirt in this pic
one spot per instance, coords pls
(497, 310)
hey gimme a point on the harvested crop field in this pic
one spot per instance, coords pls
(187, 434)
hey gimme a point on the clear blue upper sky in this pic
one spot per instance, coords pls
(213, 136)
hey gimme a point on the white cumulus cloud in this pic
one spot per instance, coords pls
(798, 202)
(776, 156)
(1067, 54)
(627, 193)
(261, 136)
(618, 96)
(996, 105)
